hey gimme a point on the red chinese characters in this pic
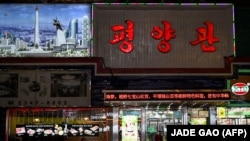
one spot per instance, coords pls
(206, 34)
(168, 33)
(126, 35)
(110, 97)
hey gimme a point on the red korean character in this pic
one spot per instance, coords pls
(206, 34)
(168, 33)
(124, 35)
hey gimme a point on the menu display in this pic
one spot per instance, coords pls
(91, 130)
(20, 130)
(34, 130)
(198, 121)
(203, 114)
(57, 130)
(48, 130)
(76, 130)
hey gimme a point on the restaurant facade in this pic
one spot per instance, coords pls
(121, 72)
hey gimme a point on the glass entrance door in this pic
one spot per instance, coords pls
(158, 120)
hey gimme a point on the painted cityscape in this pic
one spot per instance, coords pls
(45, 30)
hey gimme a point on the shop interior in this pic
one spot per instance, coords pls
(152, 118)
(124, 122)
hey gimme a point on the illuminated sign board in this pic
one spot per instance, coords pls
(129, 128)
(163, 35)
(147, 96)
(240, 88)
(221, 112)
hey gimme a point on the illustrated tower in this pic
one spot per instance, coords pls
(85, 32)
(73, 29)
(36, 36)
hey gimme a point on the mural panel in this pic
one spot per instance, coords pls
(45, 30)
